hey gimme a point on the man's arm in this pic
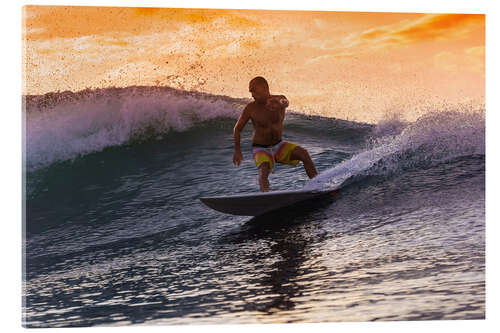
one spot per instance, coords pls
(283, 101)
(284, 104)
(278, 103)
(240, 124)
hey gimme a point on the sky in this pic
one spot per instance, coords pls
(353, 65)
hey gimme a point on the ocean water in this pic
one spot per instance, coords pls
(114, 232)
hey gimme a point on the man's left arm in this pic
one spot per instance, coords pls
(283, 101)
(283, 104)
(278, 103)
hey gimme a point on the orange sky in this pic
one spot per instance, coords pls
(352, 65)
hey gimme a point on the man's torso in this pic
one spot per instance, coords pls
(267, 124)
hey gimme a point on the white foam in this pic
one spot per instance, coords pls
(432, 139)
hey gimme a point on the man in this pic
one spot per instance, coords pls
(267, 113)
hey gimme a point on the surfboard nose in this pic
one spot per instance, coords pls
(226, 206)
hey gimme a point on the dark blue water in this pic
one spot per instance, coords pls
(115, 233)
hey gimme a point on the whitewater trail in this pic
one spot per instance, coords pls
(432, 139)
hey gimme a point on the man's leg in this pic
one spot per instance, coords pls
(301, 154)
(264, 170)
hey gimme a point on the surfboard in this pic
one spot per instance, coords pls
(254, 204)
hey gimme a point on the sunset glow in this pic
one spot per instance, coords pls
(352, 65)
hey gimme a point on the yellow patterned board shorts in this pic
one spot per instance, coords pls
(280, 152)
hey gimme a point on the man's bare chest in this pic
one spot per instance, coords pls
(266, 118)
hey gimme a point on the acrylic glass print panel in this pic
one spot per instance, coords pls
(131, 115)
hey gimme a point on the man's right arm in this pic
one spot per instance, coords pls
(240, 124)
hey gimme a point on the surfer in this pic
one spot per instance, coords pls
(267, 113)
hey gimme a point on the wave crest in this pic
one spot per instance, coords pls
(66, 125)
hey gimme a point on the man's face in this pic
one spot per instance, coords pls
(259, 92)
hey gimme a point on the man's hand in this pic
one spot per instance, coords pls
(237, 157)
(276, 103)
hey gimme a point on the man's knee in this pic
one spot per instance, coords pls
(299, 153)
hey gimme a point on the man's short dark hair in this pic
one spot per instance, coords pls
(260, 80)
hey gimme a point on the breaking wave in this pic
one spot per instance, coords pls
(63, 126)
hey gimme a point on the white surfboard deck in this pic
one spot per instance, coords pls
(254, 204)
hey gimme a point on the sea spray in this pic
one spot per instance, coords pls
(434, 138)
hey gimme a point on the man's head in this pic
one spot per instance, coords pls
(259, 89)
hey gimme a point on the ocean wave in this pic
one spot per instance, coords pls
(434, 138)
(63, 126)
